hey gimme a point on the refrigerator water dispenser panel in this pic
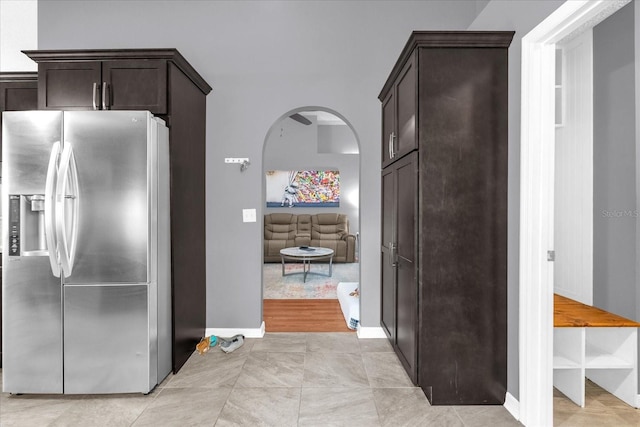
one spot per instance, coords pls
(26, 225)
(14, 225)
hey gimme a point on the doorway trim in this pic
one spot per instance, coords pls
(536, 201)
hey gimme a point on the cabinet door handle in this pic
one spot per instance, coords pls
(95, 96)
(392, 249)
(105, 93)
(392, 153)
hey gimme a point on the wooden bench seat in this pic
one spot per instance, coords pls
(568, 313)
(593, 343)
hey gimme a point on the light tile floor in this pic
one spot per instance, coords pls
(283, 379)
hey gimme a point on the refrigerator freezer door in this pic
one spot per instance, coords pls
(110, 149)
(32, 296)
(106, 339)
(32, 326)
(27, 140)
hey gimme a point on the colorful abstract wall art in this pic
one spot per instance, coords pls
(302, 189)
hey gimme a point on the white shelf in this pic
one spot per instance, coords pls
(596, 358)
(605, 355)
(561, 362)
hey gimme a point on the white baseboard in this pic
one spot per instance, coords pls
(512, 405)
(229, 332)
(638, 401)
(371, 332)
(363, 332)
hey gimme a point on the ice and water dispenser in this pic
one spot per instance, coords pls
(27, 225)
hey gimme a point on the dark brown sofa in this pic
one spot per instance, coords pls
(327, 230)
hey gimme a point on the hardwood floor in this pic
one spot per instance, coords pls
(303, 315)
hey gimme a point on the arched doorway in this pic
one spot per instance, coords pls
(311, 186)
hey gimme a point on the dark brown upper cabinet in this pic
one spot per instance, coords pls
(18, 91)
(117, 85)
(128, 79)
(399, 111)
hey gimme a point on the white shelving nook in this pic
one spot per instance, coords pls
(605, 355)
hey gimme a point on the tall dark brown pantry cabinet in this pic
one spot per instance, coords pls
(163, 82)
(444, 214)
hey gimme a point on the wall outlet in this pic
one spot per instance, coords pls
(248, 215)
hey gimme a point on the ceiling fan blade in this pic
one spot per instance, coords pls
(300, 119)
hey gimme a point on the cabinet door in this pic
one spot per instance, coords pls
(387, 266)
(399, 116)
(68, 85)
(135, 85)
(18, 96)
(406, 282)
(399, 305)
(388, 127)
(406, 90)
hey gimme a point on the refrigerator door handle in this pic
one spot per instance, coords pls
(67, 220)
(49, 210)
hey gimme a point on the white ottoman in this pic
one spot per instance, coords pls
(350, 304)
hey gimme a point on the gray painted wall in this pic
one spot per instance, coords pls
(480, 5)
(521, 16)
(336, 139)
(264, 59)
(294, 146)
(637, 82)
(614, 161)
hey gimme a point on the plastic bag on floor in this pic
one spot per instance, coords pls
(206, 343)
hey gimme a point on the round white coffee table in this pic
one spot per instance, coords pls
(306, 254)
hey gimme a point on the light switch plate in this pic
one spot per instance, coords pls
(248, 215)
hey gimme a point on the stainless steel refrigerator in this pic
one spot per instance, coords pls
(86, 278)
